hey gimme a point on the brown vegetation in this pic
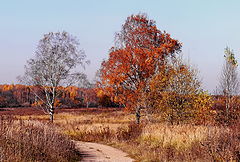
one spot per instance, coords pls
(151, 141)
(33, 141)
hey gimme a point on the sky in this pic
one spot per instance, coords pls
(204, 27)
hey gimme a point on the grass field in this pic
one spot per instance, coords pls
(158, 141)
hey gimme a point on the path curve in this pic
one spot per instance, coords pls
(94, 152)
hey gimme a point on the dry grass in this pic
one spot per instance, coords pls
(33, 141)
(156, 141)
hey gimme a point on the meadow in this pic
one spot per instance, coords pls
(29, 133)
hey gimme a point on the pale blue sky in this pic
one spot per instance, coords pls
(204, 27)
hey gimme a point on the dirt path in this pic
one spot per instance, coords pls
(94, 152)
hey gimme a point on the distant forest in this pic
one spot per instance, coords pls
(23, 96)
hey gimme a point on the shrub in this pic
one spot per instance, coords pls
(131, 132)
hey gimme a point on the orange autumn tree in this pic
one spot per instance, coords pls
(89, 97)
(140, 51)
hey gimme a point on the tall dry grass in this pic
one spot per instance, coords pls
(25, 140)
(154, 141)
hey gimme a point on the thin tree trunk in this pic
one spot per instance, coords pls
(52, 101)
(228, 104)
(51, 113)
(138, 114)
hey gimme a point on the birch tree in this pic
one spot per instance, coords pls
(229, 82)
(56, 58)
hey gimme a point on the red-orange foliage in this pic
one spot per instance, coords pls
(141, 50)
(89, 96)
(219, 108)
(13, 95)
(72, 96)
(23, 96)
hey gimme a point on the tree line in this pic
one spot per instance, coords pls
(70, 97)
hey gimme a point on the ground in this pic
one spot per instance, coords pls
(101, 153)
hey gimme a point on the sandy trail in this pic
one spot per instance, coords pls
(94, 152)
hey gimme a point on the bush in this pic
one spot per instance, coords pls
(131, 132)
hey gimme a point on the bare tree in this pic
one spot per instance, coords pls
(229, 82)
(54, 65)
